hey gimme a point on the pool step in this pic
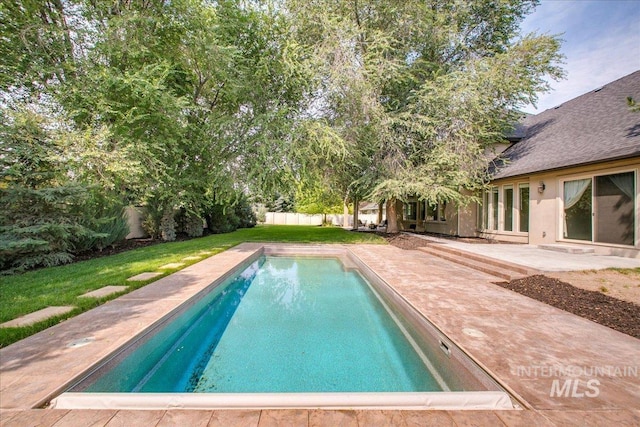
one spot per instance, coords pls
(503, 269)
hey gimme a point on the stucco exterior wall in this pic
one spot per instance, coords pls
(467, 218)
(546, 208)
(134, 220)
(448, 226)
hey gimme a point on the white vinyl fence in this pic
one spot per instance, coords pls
(292, 218)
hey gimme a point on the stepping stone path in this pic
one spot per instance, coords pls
(171, 265)
(37, 316)
(103, 292)
(143, 276)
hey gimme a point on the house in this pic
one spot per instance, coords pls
(371, 213)
(569, 176)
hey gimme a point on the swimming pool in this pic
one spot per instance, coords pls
(319, 328)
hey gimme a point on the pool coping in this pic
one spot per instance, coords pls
(37, 366)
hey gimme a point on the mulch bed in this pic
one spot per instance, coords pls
(123, 246)
(622, 316)
(403, 241)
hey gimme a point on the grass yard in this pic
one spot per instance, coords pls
(62, 285)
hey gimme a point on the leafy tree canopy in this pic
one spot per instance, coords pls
(183, 105)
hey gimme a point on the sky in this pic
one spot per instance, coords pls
(601, 43)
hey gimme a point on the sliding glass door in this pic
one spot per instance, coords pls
(577, 209)
(614, 208)
(600, 209)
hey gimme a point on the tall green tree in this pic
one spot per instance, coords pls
(415, 90)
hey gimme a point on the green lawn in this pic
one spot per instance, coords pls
(55, 286)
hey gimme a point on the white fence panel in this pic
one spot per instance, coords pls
(292, 218)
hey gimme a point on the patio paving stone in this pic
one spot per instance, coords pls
(36, 417)
(321, 418)
(376, 417)
(135, 418)
(86, 417)
(37, 316)
(143, 276)
(104, 291)
(289, 418)
(235, 418)
(171, 265)
(191, 418)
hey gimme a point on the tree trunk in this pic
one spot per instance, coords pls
(392, 217)
(355, 214)
(345, 217)
(379, 213)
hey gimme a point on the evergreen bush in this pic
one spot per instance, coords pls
(41, 218)
(189, 223)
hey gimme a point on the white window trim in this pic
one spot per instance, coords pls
(517, 203)
(487, 199)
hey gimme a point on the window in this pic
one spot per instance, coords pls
(490, 209)
(436, 212)
(505, 208)
(523, 207)
(493, 219)
(507, 203)
(410, 211)
(483, 211)
(600, 209)
(441, 209)
(432, 212)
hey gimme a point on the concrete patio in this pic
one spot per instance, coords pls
(532, 348)
(536, 257)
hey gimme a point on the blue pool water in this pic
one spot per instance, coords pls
(283, 325)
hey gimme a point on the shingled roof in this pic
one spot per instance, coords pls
(592, 128)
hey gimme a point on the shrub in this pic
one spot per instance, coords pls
(261, 214)
(189, 223)
(244, 213)
(221, 219)
(105, 216)
(152, 217)
(224, 218)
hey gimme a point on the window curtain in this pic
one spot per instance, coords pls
(573, 191)
(624, 181)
